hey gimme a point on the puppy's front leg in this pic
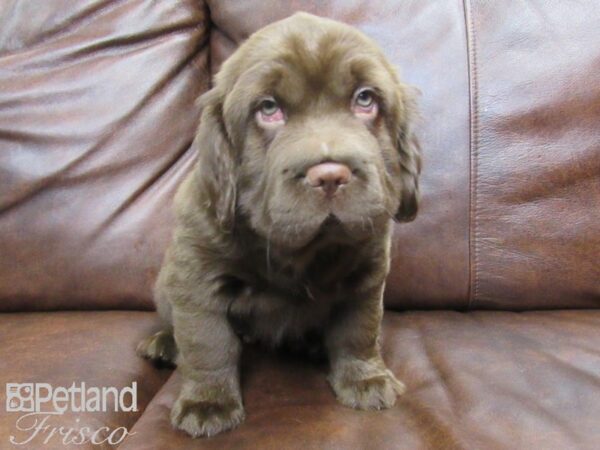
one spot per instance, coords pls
(358, 374)
(210, 400)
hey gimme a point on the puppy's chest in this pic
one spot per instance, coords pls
(321, 275)
(294, 300)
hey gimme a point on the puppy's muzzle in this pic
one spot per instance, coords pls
(328, 177)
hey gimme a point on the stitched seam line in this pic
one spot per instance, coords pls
(473, 152)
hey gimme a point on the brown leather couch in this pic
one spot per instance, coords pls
(492, 320)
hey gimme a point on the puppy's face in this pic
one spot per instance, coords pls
(317, 127)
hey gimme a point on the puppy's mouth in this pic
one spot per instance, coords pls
(334, 229)
(300, 234)
(331, 223)
(346, 212)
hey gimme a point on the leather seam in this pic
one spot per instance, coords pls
(473, 153)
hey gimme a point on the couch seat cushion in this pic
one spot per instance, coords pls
(493, 380)
(62, 348)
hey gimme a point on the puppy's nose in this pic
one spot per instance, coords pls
(328, 176)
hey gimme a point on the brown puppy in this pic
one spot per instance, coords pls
(283, 228)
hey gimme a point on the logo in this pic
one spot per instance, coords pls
(42, 403)
(19, 397)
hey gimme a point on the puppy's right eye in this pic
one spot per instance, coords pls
(269, 114)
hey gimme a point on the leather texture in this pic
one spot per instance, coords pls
(535, 152)
(500, 163)
(479, 380)
(62, 348)
(97, 115)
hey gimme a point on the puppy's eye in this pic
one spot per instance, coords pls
(269, 114)
(269, 107)
(364, 104)
(365, 99)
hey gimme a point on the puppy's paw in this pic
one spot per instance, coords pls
(206, 418)
(160, 348)
(378, 391)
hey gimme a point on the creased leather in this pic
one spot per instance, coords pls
(62, 348)
(535, 230)
(493, 380)
(97, 115)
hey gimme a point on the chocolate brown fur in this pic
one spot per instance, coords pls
(258, 252)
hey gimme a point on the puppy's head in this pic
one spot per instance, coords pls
(307, 132)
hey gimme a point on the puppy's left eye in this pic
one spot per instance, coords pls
(364, 99)
(364, 103)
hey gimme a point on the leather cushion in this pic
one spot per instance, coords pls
(535, 154)
(97, 116)
(493, 380)
(62, 348)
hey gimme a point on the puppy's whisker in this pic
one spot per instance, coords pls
(371, 225)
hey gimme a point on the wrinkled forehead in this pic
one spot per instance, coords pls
(298, 65)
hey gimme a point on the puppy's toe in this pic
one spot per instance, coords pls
(160, 348)
(377, 392)
(206, 418)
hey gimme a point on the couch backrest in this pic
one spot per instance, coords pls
(97, 113)
(97, 116)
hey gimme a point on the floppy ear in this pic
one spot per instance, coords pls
(410, 154)
(217, 161)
